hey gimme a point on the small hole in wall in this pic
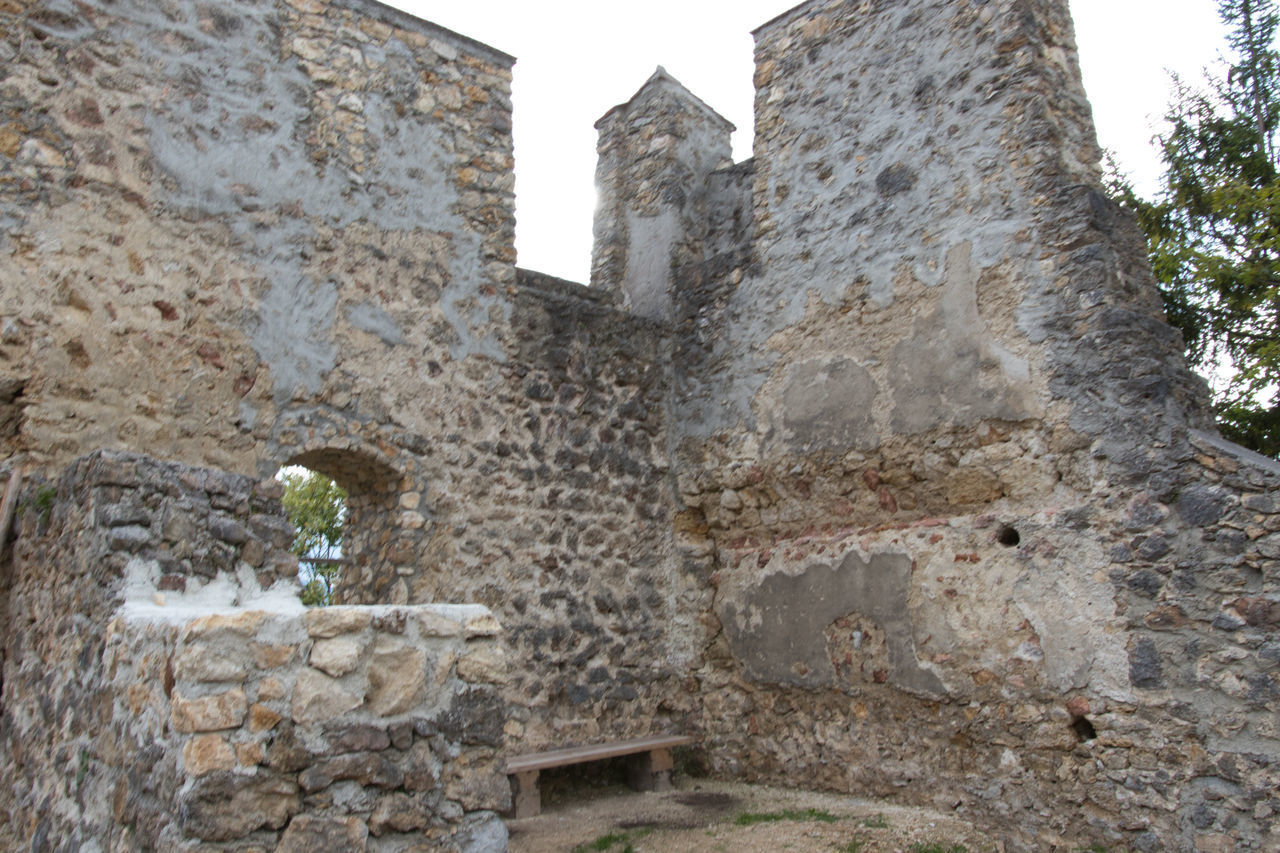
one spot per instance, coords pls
(1083, 728)
(1008, 536)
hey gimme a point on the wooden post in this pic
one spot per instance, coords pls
(9, 506)
(526, 799)
(650, 771)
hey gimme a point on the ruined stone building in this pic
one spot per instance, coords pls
(870, 461)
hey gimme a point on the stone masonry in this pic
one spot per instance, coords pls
(870, 461)
(158, 697)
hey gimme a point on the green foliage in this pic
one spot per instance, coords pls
(751, 818)
(317, 508)
(854, 846)
(938, 848)
(45, 496)
(877, 822)
(1214, 231)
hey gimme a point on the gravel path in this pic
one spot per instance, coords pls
(704, 815)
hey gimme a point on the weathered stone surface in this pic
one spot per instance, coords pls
(318, 698)
(307, 833)
(286, 753)
(482, 625)
(483, 664)
(435, 625)
(367, 768)
(206, 753)
(227, 805)
(483, 788)
(475, 716)
(400, 813)
(262, 718)
(397, 676)
(209, 713)
(336, 657)
(199, 662)
(357, 738)
(421, 768)
(329, 622)
(241, 624)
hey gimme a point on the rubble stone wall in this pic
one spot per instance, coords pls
(219, 219)
(887, 477)
(275, 233)
(932, 416)
(196, 708)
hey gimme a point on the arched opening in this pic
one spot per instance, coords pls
(369, 490)
(317, 507)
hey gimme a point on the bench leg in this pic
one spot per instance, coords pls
(526, 799)
(650, 771)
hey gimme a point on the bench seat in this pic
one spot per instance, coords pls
(649, 767)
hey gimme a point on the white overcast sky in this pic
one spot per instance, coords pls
(578, 58)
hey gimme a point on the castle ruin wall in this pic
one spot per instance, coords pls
(282, 233)
(938, 552)
(870, 460)
(165, 689)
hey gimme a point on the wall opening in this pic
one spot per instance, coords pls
(369, 488)
(1009, 537)
(1083, 728)
(317, 507)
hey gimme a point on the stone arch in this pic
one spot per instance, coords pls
(382, 468)
(373, 484)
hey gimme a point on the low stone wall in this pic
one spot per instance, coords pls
(1109, 677)
(165, 689)
(345, 728)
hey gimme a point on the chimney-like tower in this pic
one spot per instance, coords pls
(655, 154)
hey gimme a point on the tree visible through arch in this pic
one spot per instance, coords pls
(371, 541)
(317, 507)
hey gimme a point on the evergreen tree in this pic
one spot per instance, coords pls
(317, 507)
(1214, 231)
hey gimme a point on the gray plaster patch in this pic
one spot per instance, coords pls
(474, 315)
(829, 404)
(370, 318)
(243, 151)
(648, 275)
(966, 375)
(227, 142)
(776, 629)
(1073, 615)
(291, 333)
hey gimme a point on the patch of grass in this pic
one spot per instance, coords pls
(1093, 848)
(877, 822)
(751, 818)
(938, 848)
(42, 503)
(854, 846)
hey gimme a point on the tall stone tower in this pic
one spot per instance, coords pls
(656, 154)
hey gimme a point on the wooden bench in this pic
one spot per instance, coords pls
(648, 767)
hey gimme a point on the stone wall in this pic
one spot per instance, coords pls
(927, 399)
(219, 220)
(196, 708)
(888, 477)
(656, 202)
(297, 249)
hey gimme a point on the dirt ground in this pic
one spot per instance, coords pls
(702, 816)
